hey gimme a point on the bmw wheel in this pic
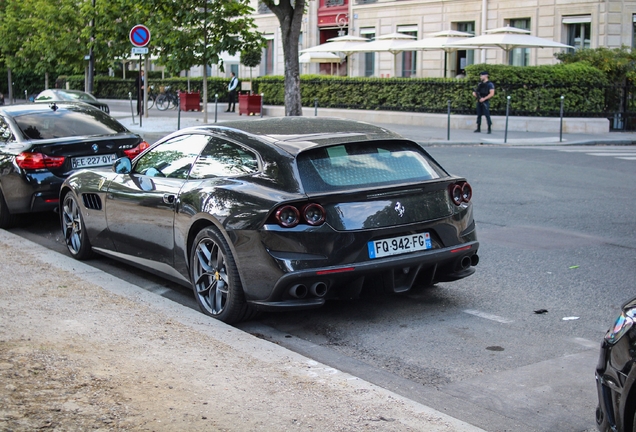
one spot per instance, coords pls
(7, 220)
(215, 278)
(74, 229)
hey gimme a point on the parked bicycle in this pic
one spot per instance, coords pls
(152, 97)
(167, 99)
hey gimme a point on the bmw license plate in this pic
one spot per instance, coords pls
(93, 161)
(399, 245)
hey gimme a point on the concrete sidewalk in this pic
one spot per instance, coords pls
(84, 349)
(160, 123)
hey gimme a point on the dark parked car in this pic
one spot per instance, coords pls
(41, 144)
(279, 213)
(59, 95)
(616, 374)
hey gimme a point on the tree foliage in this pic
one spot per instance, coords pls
(197, 32)
(34, 39)
(618, 64)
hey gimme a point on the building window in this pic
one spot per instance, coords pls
(634, 31)
(464, 57)
(579, 31)
(409, 58)
(263, 9)
(267, 62)
(369, 58)
(330, 3)
(519, 56)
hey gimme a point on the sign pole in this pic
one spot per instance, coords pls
(140, 96)
(140, 36)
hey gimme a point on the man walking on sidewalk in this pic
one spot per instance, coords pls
(484, 91)
(232, 93)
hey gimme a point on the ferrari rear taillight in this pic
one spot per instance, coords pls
(131, 153)
(313, 214)
(26, 160)
(461, 192)
(288, 216)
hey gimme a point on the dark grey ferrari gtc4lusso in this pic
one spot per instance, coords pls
(279, 213)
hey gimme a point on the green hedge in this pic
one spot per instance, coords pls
(106, 87)
(533, 90)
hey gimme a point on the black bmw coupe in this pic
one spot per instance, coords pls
(41, 144)
(280, 213)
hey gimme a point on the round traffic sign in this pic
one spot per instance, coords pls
(139, 35)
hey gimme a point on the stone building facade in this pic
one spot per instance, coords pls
(580, 23)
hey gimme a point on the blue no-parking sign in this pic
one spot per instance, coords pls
(139, 35)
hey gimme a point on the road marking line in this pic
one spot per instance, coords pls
(611, 154)
(587, 149)
(488, 316)
(587, 343)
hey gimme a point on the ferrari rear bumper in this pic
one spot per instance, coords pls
(309, 288)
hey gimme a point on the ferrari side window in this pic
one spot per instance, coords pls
(224, 159)
(173, 158)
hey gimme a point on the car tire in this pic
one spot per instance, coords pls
(215, 279)
(7, 220)
(74, 229)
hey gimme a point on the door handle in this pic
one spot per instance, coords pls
(169, 199)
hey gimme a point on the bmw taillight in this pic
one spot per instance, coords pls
(131, 153)
(26, 160)
(461, 192)
(288, 216)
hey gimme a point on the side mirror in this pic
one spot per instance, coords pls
(123, 165)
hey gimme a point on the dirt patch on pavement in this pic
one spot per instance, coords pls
(76, 357)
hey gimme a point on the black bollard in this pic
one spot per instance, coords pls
(216, 106)
(448, 122)
(507, 113)
(561, 125)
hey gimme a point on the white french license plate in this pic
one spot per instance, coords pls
(93, 161)
(399, 245)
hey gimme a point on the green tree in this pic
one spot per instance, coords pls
(43, 36)
(105, 28)
(290, 15)
(251, 57)
(196, 33)
(619, 64)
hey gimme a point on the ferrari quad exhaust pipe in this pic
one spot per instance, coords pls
(318, 289)
(474, 260)
(298, 291)
(465, 262)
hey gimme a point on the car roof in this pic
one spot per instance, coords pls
(295, 134)
(41, 106)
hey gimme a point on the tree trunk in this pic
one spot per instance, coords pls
(290, 19)
(205, 94)
(10, 85)
(46, 80)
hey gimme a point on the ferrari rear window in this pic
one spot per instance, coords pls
(365, 164)
(68, 122)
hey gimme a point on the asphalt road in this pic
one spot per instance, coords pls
(557, 232)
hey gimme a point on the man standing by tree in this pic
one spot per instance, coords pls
(231, 88)
(484, 91)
